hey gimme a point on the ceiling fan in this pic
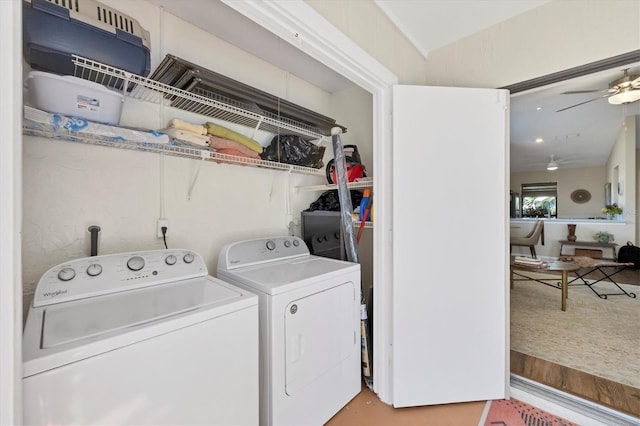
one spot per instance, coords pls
(621, 91)
(553, 163)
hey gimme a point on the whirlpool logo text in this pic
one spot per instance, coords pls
(54, 293)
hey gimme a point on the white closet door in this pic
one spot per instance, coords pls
(450, 185)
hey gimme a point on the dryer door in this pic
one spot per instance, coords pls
(320, 333)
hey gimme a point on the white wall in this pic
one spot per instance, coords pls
(365, 24)
(553, 37)
(70, 186)
(621, 170)
(550, 38)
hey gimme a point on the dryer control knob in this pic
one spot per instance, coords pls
(188, 258)
(94, 270)
(135, 263)
(287, 243)
(170, 260)
(66, 274)
(296, 243)
(271, 245)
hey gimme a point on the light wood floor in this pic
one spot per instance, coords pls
(618, 396)
(366, 409)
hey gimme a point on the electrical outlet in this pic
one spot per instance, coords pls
(163, 223)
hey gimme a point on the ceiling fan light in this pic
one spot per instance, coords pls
(625, 97)
(552, 166)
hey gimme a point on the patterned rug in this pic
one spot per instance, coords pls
(511, 412)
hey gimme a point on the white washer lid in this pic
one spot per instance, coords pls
(70, 331)
(92, 317)
(282, 276)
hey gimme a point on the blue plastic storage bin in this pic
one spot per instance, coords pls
(53, 31)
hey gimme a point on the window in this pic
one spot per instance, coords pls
(539, 199)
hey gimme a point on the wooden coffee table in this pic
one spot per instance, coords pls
(555, 266)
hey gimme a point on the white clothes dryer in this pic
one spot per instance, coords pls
(310, 350)
(140, 338)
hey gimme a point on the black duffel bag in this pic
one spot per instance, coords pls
(629, 253)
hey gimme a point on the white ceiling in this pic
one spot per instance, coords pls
(578, 137)
(430, 24)
(581, 136)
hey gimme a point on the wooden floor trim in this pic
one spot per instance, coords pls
(610, 394)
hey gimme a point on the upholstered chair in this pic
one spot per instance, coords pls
(531, 239)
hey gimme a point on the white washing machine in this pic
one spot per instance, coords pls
(140, 338)
(310, 354)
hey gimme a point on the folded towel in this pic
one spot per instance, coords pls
(176, 123)
(222, 143)
(223, 132)
(231, 151)
(187, 136)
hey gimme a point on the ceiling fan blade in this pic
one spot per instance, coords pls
(585, 91)
(585, 102)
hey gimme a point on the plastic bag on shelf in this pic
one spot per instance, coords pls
(330, 201)
(292, 149)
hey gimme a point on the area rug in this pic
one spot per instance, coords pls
(511, 412)
(594, 335)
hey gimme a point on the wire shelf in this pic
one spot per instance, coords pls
(200, 102)
(358, 184)
(33, 128)
(367, 225)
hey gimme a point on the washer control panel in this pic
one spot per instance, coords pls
(261, 250)
(112, 273)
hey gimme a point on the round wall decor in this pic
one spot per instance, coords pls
(580, 196)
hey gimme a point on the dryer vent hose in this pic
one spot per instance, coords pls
(95, 230)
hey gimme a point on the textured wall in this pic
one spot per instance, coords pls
(553, 37)
(365, 23)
